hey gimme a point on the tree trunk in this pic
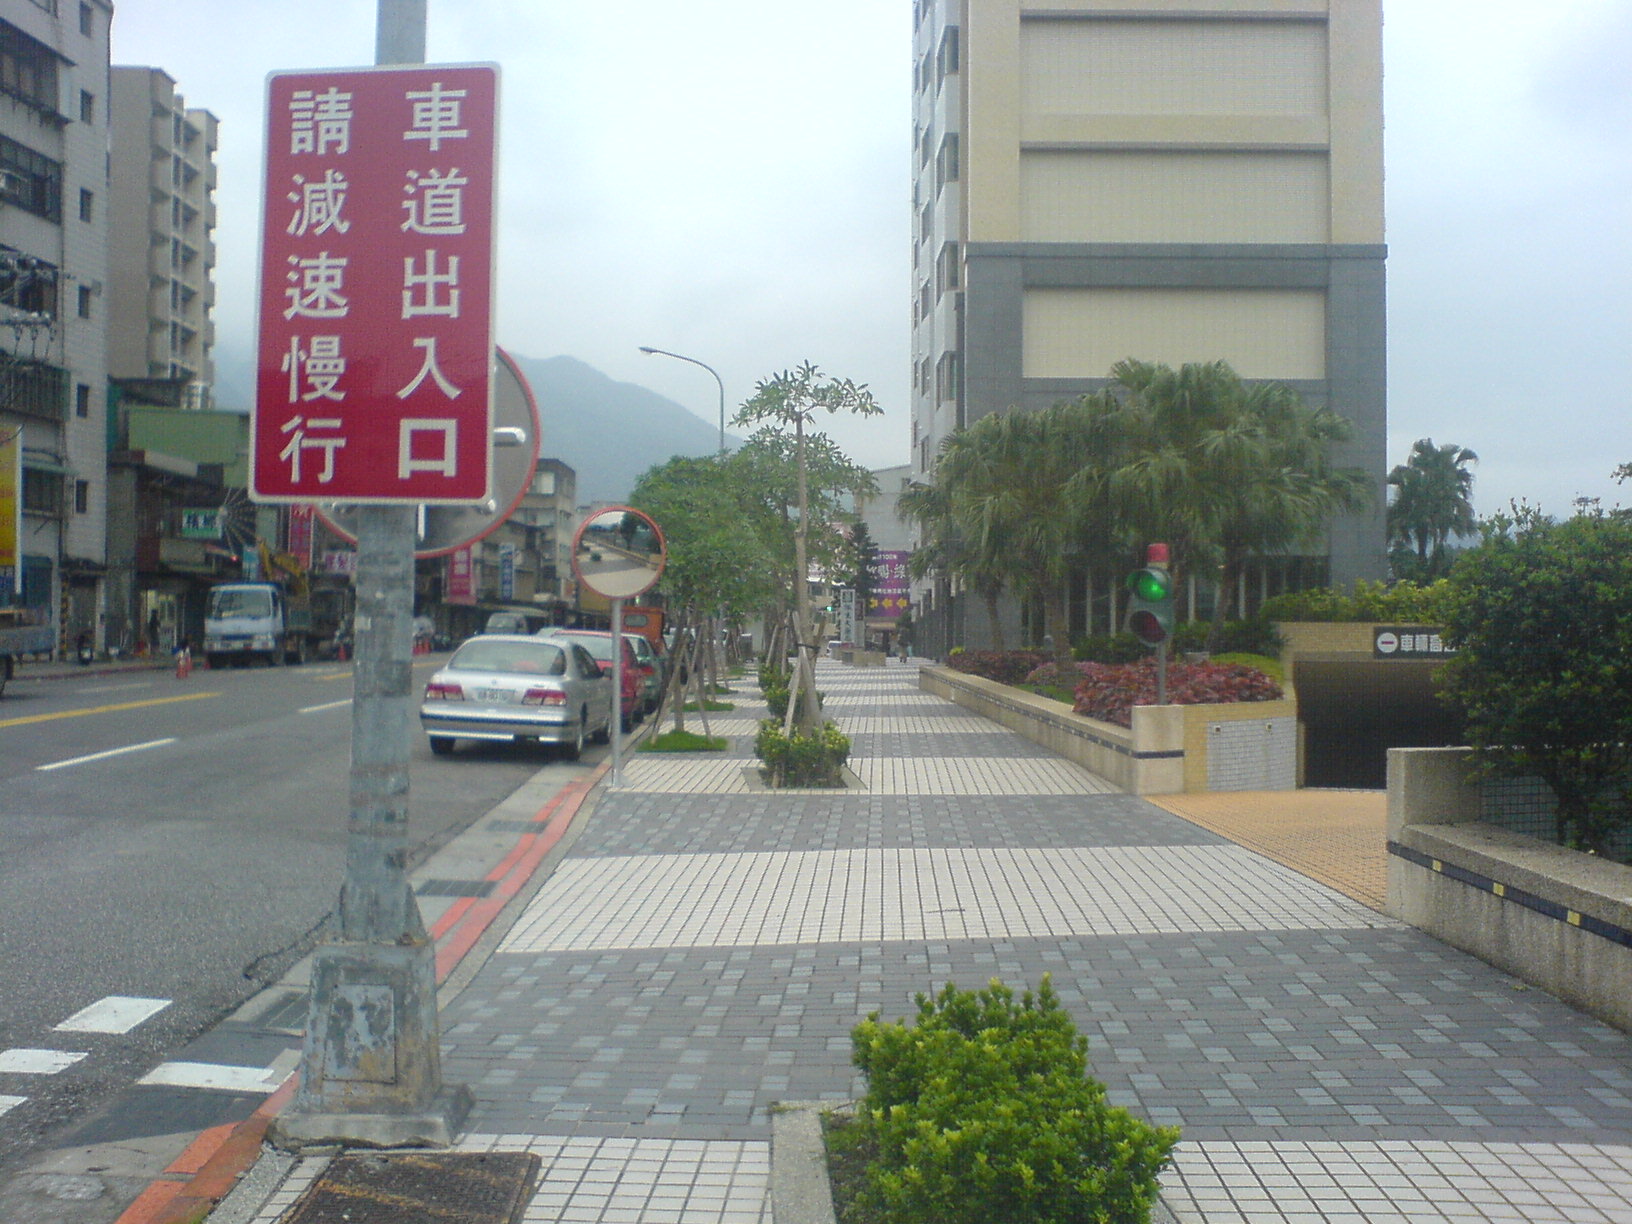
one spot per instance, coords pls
(808, 717)
(990, 596)
(1056, 622)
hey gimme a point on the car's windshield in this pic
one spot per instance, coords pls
(242, 601)
(600, 648)
(516, 658)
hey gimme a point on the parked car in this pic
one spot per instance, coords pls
(651, 672)
(521, 689)
(598, 642)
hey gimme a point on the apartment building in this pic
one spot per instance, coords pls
(54, 109)
(162, 244)
(1171, 180)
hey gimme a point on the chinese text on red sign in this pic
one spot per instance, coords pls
(373, 381)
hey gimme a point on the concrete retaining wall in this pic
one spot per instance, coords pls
(1169, 750)
(1555, 918)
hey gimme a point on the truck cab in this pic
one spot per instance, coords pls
(244, 621)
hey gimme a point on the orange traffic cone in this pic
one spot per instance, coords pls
(184, 663)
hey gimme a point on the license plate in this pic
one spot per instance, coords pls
(499, 696)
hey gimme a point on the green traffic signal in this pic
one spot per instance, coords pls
(1150, 610)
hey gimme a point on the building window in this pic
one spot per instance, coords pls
(85, 21)
(37, 390)
(87, 204)
(27, 284)
(82, 497)
(947, 373)
(926, 223)
(87, 106)
(84, 301)
(28, 68)
(42, 492)
(30, 180)
(948, 268)
(947, 165)
(82, 400)
(946, 58)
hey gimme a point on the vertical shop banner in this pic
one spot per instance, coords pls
(461, 585)
(374, 378)
(847, 617)
(892, 587)
(507, 571)
(11, 513)
(301, 520)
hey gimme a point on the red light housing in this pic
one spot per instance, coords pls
(544, 697)
(441, 691)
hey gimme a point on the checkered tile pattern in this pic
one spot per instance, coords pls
(706, 947)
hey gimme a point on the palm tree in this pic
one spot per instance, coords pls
(1224, 470)
(1431, 503)
(943, 549)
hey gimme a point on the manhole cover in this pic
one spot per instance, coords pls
(420, 1188)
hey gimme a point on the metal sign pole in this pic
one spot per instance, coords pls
(617, 692)
(371, 1066)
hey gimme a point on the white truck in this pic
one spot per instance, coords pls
(21, 634)
(247, 621)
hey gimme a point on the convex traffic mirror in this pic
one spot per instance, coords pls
(618, 553)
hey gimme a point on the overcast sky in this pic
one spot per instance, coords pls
(729, 179)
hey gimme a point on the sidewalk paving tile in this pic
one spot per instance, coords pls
(706, 947)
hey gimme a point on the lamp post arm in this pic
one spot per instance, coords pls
(682, 357)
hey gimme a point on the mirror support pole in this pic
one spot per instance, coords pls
(617, 692)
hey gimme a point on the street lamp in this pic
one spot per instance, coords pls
(682, 357)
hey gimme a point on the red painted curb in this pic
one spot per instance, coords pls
(214, 1161)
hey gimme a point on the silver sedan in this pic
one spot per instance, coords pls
(522, 689)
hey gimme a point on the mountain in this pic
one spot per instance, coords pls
(610, 432)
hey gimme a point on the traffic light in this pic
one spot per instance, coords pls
(1150, 603)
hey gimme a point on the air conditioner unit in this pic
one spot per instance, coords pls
(12, 183)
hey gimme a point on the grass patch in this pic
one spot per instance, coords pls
(684, 741)
(713, 707)
(850, 1148)
(1056, 692)
(1270, 667)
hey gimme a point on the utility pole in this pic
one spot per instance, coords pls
(371, 1067)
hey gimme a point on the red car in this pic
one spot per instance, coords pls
(599, 644)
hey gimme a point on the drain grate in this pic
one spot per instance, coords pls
(420, 1188)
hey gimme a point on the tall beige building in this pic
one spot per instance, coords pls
(1171, 180)
(161, 239)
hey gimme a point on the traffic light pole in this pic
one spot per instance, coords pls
(371, 1064)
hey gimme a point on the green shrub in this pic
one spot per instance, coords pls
(1109, 648)
(776, 698)
(801, 760)
(982, 1110)
(1270, 667)
(1400, 604)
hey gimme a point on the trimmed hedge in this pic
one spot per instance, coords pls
(982, 1110)
(1402, 603)
(1003, 666)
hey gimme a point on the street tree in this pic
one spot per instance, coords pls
(1431, 502)
(786, 405)
(1540, 615)
(944, 549)
(1224, 470)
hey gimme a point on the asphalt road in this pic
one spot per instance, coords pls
(193, 862)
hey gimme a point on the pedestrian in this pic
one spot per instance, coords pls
(153, 632)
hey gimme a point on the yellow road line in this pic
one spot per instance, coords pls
(107, 709)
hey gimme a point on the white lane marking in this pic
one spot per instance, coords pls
(37, 1062)
(8, 1103)
(102, 756)
(114, 1014)
(329, 705)
(222, 1077)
